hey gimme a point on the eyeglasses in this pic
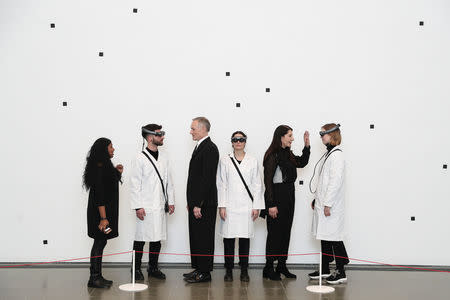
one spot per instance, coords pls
(241, 139)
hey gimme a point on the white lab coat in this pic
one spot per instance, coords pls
(146, 192)
(330, 192)
(234, 197)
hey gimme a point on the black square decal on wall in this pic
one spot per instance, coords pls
(227, 73)
(135, 10)
(100, 54)
(64, 103)
(238, 104)
(52, 25)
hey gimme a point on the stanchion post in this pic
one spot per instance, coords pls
(319, 289)
(133, 286)
(320, 269)
(133, 266)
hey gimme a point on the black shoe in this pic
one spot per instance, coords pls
(106, 281)
(268, 272)
(284, 270)
(244, 275)
(156, 273)
(97, 283)
(337, 278)
(190, 274)
(138, 275)
(316, 275)
(200, 277)
(228, 275)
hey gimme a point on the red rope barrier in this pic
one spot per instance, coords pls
(64, 260)
(222, 255)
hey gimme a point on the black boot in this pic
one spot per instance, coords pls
(137, 274)
(244, 275)
(269, 272)
(96, 280)
(281, 268)
(156, 273)
(228, 275)
(106, 282)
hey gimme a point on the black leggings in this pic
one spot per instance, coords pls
(244, 249)
(335, 250)
(96, 257)
(154, 247)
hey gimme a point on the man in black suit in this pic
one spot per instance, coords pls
(202, 201)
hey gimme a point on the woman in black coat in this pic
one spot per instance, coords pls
(101, 179)
(280, 173)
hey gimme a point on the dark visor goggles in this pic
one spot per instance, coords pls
(156, 133)
(238, 139)
(322, 133)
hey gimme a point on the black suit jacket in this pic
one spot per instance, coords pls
(201, 185)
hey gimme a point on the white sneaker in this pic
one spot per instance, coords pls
(337, 278)
(316, 275)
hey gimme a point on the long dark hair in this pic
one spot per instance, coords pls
(275, 146)
(97, 156)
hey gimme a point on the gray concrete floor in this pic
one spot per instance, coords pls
(70, 283)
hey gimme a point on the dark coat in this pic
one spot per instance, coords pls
(201, 185)
(104, 192)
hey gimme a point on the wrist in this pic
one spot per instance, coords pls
(103, 219)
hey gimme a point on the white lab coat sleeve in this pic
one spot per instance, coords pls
(135, 183)
(257, 188)
(170, 190)
(222, 183)
(335, 180)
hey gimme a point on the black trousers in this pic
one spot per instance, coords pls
(201, 238)
(336, 250)
(154, 249)
(96, 258)
(279, 229)
(244, 250)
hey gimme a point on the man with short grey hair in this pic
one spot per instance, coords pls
(202, 201)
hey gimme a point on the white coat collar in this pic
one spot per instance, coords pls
(242, 161)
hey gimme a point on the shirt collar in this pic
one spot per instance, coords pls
(200, 141)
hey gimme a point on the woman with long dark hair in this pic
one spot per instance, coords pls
(280, 173)
(101, 179)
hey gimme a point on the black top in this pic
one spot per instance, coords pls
(104, 192)
(155, 154)
(201, 186)
(330, 147)
(288, 170)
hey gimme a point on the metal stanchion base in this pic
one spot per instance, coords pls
(130, 287)
(320, 289)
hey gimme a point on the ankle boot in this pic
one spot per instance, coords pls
(244, 275)
(228, 275)
(269, 272)
(281, 268)
(96, 280)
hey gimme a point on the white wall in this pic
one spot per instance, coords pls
(351, 61)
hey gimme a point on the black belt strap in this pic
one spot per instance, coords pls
(242, 178)
(166, 204)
